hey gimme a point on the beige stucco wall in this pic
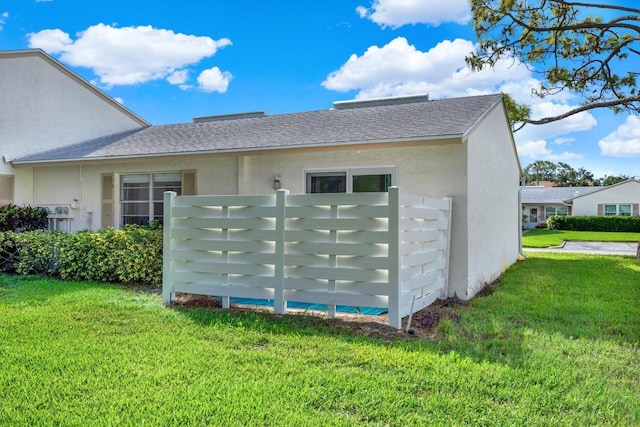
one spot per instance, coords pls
(493, 207)
(626, 193)
(43, 106)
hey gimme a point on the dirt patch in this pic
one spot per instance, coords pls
(423, 323)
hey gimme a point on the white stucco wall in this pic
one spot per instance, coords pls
(493, 207)
(43, 106)
(623, 193)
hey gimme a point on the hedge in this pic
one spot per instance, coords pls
(594, 223)
(25, 218)
(132, 255)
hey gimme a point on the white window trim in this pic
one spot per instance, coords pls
(350, 173)
(118, 188)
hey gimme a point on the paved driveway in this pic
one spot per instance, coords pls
(604, 248)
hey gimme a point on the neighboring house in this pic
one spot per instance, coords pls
(621, 199)
(44, 105)
(451, 147)
(539, 203)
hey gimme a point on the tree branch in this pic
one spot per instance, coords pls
(603, 104)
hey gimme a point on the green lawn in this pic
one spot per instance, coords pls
(544, 238)
(555, 342)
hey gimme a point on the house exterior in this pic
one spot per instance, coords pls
(621, 199)
(114, 173)
(539, 203)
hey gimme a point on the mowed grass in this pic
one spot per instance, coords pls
(555, 342)
(544, 238)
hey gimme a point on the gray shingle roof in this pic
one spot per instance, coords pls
(555, 195)
(447, 118)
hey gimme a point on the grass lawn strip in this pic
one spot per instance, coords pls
(545, 238)
(555, 342)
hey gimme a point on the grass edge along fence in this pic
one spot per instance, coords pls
(388, 250)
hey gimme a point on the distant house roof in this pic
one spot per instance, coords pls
(597, 189)
(554, 195)
(378, 121)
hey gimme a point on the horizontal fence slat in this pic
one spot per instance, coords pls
(226, 200)
(224, 291)
(424, 257)
(338, 248)
(355, 224)
(381, 237)
(217, 234)
(420, 236)
(224, 245)
(226, 223)
(336, 274)
(225, 268)
(421, 213)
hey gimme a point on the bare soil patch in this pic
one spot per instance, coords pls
(423, 323)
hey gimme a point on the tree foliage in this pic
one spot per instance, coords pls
(563, 175)
(581, 47)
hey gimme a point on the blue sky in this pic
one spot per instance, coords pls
(172, 60)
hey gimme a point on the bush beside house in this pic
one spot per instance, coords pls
(132, 255)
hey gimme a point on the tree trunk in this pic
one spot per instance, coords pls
(638, 251)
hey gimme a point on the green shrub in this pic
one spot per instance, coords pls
(132, 255)
(630, 224)
(25, 218)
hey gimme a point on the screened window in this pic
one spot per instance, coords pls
(617, 210)
(141, 196)
(350, 181)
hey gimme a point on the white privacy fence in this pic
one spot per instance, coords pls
(387, 250)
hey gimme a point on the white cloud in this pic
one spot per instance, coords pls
(538, 150)
(398, 68)
(624, 142)
(3, 19)
(52, 41)
(178, 77)
(119, 100)
(396, 13)
(213, 80)
(533, 149)
(128, 55)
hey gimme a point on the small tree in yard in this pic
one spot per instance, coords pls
(587, 48)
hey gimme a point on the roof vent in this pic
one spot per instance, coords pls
(397, 100)
(248, 115)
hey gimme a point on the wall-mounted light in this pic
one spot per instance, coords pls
(277, 182)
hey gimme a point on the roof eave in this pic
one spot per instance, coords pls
(342, 145)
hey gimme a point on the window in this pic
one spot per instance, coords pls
(554, 210)
(617, 210)
(141, 196)
(350, 180)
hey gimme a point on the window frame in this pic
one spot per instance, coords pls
(151, 202)
(617, 211)
(555, 211)
(349, 173)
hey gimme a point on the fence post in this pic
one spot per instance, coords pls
(445, 290)
(168, 292)
(395, 319)
(279, 302)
